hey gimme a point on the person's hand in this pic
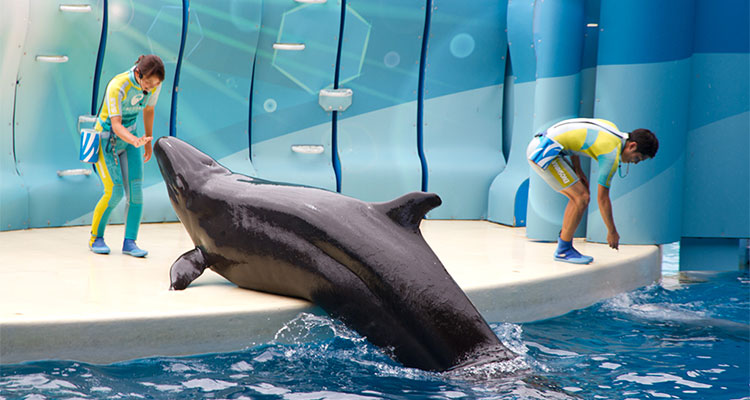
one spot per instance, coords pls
(140, 141)
(147, 153)
(613, 239)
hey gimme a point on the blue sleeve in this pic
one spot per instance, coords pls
(608, 164)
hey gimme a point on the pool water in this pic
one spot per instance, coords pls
(687, 337)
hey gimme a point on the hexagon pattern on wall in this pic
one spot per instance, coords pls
(162, 39)
(321, 44)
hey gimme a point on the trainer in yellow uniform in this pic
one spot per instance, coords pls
(120, 164)
(601, 141)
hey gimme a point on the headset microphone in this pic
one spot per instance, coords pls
(140, 76)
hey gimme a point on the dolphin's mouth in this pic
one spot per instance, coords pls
(162, 157)
(167, 155)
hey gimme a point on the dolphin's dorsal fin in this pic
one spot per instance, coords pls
(409, 209)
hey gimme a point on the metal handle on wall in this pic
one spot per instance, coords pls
(75, 8)
(73, 172)
(289, 46)
(52, 59)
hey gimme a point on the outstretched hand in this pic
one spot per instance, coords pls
(140, 141)
(613, 239)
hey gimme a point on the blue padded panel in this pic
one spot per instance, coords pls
(462, 130)
(518, 116)
(647, 204)
(285, 110)
(145, 27)
(656, 95)
(14, 198)
(49, 99)
(216, 75)
(520, 24)
(520, 209)
(721, 26)
(591, 33)
(588, 64)
(377, 135)
(717, 193)
(559, 27)
(638, 31)
(558, 32)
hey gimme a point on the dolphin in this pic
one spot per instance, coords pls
(366, 264)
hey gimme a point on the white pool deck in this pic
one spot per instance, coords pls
(60, 301)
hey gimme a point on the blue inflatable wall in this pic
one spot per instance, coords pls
(376, 98)
(558, 29)
(508, 194)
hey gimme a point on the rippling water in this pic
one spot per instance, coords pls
(685, 338)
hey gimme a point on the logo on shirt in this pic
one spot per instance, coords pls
(136, 99)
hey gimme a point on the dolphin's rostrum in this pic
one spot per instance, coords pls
(364, 263)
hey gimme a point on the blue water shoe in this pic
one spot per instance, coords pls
(98, 246)
(573, 256)
(566, 253)
(129, 247)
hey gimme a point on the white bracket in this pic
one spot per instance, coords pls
(71, 172)
(289, 46)
(52, 59)
(308, 148)
(75, 8)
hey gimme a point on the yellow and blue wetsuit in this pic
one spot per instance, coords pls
(595, 138)
(120, 164)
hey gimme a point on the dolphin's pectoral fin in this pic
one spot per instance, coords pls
(187, 268)
(409, 209)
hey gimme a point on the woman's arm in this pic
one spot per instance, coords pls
(125, 135)
(148, 123)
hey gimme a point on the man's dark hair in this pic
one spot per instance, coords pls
(647, 143)
(151, 65)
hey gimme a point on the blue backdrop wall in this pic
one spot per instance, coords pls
(375, 98)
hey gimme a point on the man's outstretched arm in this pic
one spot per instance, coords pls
(605, 207)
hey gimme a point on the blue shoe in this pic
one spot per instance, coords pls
(573, 256)
(98, 246)
(129, 247)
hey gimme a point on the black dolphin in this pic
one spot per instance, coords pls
(364, 263)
